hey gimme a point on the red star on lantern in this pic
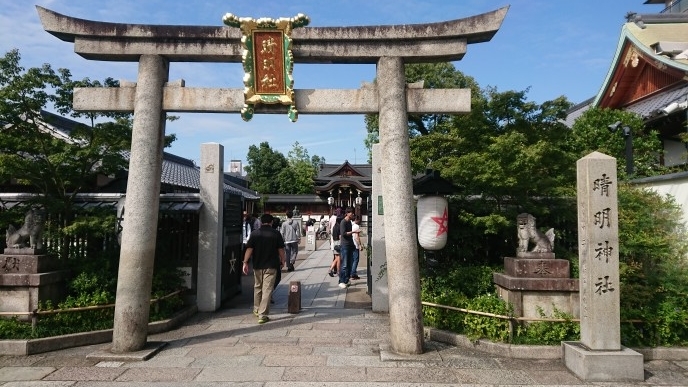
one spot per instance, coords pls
(443, 222)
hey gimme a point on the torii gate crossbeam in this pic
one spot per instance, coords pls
(155, 46)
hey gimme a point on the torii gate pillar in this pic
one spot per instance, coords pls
(135, 276)
(405, 315)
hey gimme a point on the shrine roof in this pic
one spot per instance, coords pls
(651, 47)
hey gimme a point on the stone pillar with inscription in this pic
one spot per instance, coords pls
(378, 264)
(599, 355)
(209, 295)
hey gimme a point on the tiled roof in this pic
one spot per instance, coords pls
(650, 107)
(182, 172)
(576, 111)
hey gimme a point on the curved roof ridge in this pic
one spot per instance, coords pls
(629, 33)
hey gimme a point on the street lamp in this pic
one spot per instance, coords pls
(330, 202)
(628, 135)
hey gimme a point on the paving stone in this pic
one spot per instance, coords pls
(357, 361)
(553, 377)
(38, 383)
(666, 378)
(291, 350)
(228, 361)
(212, 341)
(354, 350)
(323, 374)
(20, 361)
(240, 374)
(110, 364)
(493, 376)
(410, 375)
(9, 374)
(201, 352)
(532, 364)
(347, 326)
(161, 375)
(175, 352)
(161, 362)
(294, 361)
(318, 341)
(66, 361)
(336, 334)
(86, 373)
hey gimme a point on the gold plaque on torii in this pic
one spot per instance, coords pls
(268, 61)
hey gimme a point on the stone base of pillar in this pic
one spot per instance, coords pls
(602, 366)
(148, 351)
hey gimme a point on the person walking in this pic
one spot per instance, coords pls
(246, 229)
(346, 248)
(292, 237)
(334, 266)
(278, 278)
(266, 247)
(356, 228)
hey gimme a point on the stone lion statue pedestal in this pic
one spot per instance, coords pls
(28, 275)
(536, 278)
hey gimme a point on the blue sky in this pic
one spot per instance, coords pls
(553, 48)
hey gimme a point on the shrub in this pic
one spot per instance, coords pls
(548, 332)
(491, 328)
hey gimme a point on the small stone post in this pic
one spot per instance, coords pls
(209, 295)
(599, 355)
(294, 300)
(137, 254)
(405, 314)
(378, 264)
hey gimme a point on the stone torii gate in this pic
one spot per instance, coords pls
(155, 46)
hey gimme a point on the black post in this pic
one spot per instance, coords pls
(629, 150)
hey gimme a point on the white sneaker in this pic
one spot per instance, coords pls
(342, 285)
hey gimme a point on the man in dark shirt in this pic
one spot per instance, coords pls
(266, 247)
(347, 248)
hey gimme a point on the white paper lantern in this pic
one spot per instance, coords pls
(433, 222)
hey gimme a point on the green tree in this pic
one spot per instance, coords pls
(507, 156)
(33, 154)
(266, 169)
(30, 150)
(304, 170)
(271, 173)
(590, 133)
(432, 76)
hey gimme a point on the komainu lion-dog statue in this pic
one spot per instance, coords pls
(544, 243)
(30, 234)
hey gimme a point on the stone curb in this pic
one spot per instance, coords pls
(47, 344)
(540, 352)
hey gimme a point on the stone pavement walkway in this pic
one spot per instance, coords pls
(325, 344)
